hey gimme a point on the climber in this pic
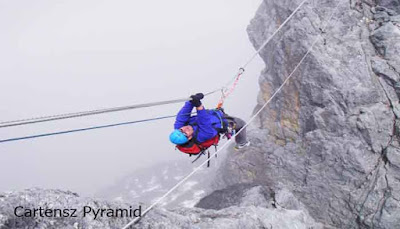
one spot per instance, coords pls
(194, 134)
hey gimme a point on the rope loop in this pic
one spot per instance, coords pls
(247, 123)
(225, 92)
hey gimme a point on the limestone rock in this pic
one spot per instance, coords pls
(325, 151)
(251, 211)
(329, 136)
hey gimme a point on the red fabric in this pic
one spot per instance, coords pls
(198, 148)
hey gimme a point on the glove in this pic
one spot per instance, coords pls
(196, 99)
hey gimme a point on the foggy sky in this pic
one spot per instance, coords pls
(68, 56)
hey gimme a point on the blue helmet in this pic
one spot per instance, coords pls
(178, 138)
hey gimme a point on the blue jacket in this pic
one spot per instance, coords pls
(207, 121)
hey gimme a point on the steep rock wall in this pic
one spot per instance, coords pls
(331, 135)
(326, 148)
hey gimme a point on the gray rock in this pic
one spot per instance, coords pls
(382, 68)
(386, 40)
(231, 196)
(327, 136)
(257, 209)
(251, 210)
(56, 199)
(372, 125)
(392, 5)
(395, 19)
(325, 151)
(393, 156)
(381, 16)
(258, 196)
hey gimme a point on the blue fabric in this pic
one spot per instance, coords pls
(206, 121)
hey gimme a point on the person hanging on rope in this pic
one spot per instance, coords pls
(194, 134)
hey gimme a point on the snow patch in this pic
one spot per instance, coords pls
(151, 188)
(152, 181)
(189, 185)
(178, 177)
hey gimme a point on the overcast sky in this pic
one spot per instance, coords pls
(67, 56)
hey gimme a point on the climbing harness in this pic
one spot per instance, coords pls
(250, 120)
(123, 108)
(225, 93)
(195, 148)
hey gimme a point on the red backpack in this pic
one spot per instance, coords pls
(194, 148)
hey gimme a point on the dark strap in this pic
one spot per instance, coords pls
(208, 162)
(224, 126)
(222, 130)
(199, 155)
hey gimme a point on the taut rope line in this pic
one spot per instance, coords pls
(250, 120)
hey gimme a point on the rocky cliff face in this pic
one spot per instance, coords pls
(331, 135)
(18, 210)
(248, 207)
(325, 153)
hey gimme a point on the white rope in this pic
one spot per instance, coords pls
(276, 31)
(250, 120)
(108, 110)
(242, 69)
(92, 112)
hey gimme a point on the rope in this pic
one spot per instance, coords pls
(269, 39)
(84, 129)
(225, 92)
(108, 110)
(92, 112)
(250, 120)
